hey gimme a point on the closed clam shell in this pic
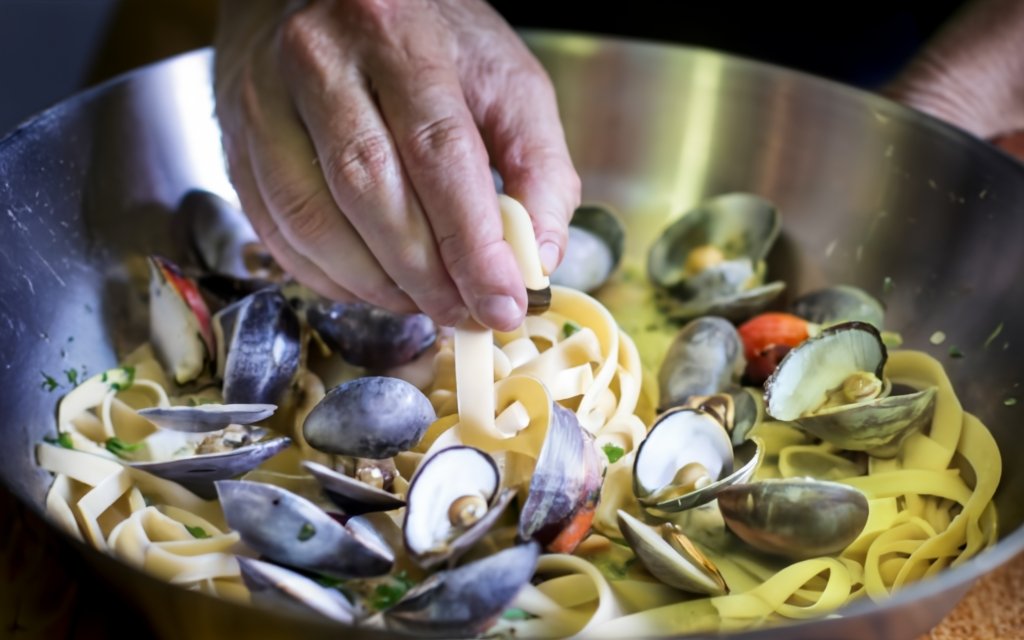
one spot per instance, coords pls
(372, 417)
(465, 601)
(839, 303)
(796, 518)
(593, 250)
(369, 336)
(274, 586)
(291, 530)
(705, 357)
(261, 348)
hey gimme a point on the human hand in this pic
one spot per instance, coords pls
(972, 73)
(359, 135)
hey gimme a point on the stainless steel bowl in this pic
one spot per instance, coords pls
(870, 191)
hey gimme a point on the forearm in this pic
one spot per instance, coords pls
(972, 72)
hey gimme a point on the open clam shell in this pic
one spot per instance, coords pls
(466, 601)
(372, 417)
(293, 531)
(199, 473)
(207, 417)
(261, 350)
(711, 260)
(796, 518)
(816, 387)
(371, 337)
(565, 487)
(352, 496)
(274, 586)
(179, 322)
(686, 459)
(593, 251)
(671, 557)
(705, 357)
(452, 502)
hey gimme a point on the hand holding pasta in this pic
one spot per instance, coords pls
(360, 135)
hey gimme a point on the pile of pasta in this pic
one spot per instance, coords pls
(930, 506)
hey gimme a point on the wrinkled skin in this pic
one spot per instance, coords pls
(360, 133)
(971, 74)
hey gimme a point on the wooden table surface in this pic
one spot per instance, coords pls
(40, 596)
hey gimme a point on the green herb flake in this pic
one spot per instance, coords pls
(72, 376)
(613, 452)
(1010, 402)
(992, 336)
(327, 582)
(955, 352)
(306, 532)
(888, 285)
(49, 383)
(570, 328)
(121, 378)
(516, 614)
(892, 339)
(63, 439)
(197, 532)
(386, 595)
(120, 448)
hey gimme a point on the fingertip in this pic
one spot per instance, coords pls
(500, 312)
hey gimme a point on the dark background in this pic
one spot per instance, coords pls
(50, 49)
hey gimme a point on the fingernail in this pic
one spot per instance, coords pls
(549, 257)
(500, 312)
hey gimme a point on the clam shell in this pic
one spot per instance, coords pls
(593, 251)
(371, 417)
(179, 322)
(841, 303)
(796, 517)
(565, 487)
(220, 233)
(199, 473)
(262, 348)
(293, 531)
(705, 357)
(743, 227)
(448, 475)
(682, 567)
(807, 373)
(682, 437)
(466, 601)
(371, 337)
(274, 586)
(352, 496)
(207, 417)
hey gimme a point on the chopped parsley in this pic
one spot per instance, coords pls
(955, 352)
(613, 452)
(306, 532)
(120, 448)
(119, 379)
(327, 581)
(197, 532)
(63, 439)
(570, 328)
(992, 336)
(888, 285)
(386, 595)
(1010, 402)
(49, 383)
(72, 376)
(517, 614)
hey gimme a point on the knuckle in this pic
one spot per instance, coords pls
(302, 215)
(361, 163)
(467, 261)
(445, 140)
(297, 40)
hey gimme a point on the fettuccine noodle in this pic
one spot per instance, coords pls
(930, 507)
